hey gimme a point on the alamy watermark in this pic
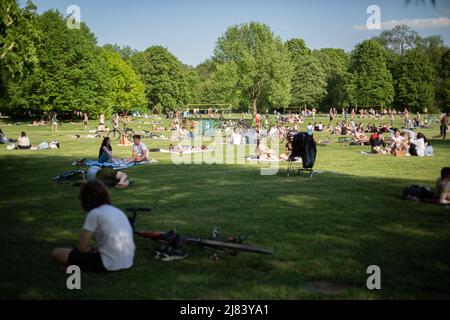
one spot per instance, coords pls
(374, 20)
(73, 282)
(374, 280)
(213, 147)
(74, 17)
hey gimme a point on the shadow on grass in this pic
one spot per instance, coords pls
(326, 231)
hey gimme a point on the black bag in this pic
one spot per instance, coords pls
(413, 150)
(304, 146)
(418, 192)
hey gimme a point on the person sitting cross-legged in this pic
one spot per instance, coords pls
(105, 152)
(23, 142)
(140, 150)
(109, 226)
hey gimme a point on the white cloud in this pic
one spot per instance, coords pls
(441, 22)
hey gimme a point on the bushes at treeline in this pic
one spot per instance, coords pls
(47, 67)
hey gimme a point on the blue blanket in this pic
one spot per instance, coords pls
(118, 165)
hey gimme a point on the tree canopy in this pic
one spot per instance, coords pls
(70, 74)
(251, 65)
(372, 80)
(127, 90)
(164, 78)
(309, 79)
(47, 67)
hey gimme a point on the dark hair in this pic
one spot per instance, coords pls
(105, 143)
(136, 136)
(23, 134)
(420, 135)
(445, 172)
(93, 195)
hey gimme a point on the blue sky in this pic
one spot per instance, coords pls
(190, 28)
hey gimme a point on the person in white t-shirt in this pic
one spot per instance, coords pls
(236, 138)
(114, 249)
(23, 142)
(140, 150)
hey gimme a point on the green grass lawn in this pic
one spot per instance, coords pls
(326, 230)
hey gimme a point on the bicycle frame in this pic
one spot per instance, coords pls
(232, 245)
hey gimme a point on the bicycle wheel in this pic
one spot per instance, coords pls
(68, 176)
(222, 244)
(129, 133)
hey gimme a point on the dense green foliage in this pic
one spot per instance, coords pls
(252, 65)
(309, 79)
(372, 79)
(164, 78)
(127, 91)
(414, 82)
(48, 67)
(69, 76)
(18, 38)
(335, 64)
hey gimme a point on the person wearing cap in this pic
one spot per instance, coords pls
(108, 176)
(140, 150)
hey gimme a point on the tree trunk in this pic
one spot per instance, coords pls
(255, 96)
(254, 106)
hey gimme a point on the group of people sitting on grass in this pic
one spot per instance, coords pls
(109, 176)
(140, 151)
(400, 143)
(23, 143)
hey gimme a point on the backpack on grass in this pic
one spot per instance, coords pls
(418, 193)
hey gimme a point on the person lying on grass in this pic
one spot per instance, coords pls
(108, 176)
(110, 229)
(140, 150)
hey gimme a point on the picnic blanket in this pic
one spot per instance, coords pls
(185, 151)
(255, 159)
(118, 165)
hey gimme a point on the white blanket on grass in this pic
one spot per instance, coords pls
(255, 159)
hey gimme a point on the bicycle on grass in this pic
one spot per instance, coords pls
(171, 242)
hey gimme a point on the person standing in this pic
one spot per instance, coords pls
(444, 126)
(85, 121)
(55, 123)
(102, 119)
(258, 120)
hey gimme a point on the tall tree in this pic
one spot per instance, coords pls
(18, 37)
(309, 79)
(444, 75)
(70, 75)
(372, 79)
(127, 91)
(252, 63)
(399, 39)
(335, 64)
(163, 77)
(414, 82)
